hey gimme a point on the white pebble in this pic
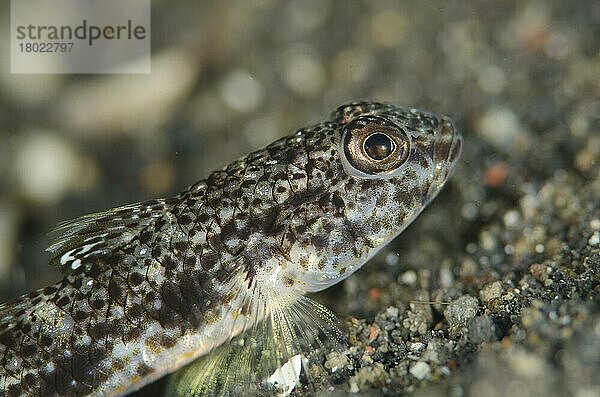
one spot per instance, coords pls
(500, 127)
(303, 72)
(492, 80)
(392, 259)
(409, 277)
(420, 370)
(446, 277)
(511, 218)
(241, 91)
(594, 239)
(469, 211)
(47, 167)
(288, 375)
(392, 312)
(417, 347)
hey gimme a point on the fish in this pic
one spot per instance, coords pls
(152, 286)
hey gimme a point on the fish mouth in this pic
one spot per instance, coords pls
(449, 133)
(446, 152)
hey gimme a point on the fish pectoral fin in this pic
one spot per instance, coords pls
(270, 357)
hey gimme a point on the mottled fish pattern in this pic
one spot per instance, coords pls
(152, 286)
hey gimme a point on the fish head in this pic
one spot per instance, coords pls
(380, 167)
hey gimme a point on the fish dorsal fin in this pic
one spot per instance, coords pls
(98, 233)
(269, 358)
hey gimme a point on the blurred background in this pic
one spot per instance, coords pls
(520, 78)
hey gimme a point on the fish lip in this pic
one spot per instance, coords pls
(450, 139)
(455, 150)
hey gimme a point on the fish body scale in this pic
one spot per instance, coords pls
(154, 285)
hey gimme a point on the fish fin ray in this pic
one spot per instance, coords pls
(74, 240)
(269, 357)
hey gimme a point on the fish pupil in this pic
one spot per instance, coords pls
(379, 146)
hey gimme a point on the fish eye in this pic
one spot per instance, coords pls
(378, 146)
(373, 146)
